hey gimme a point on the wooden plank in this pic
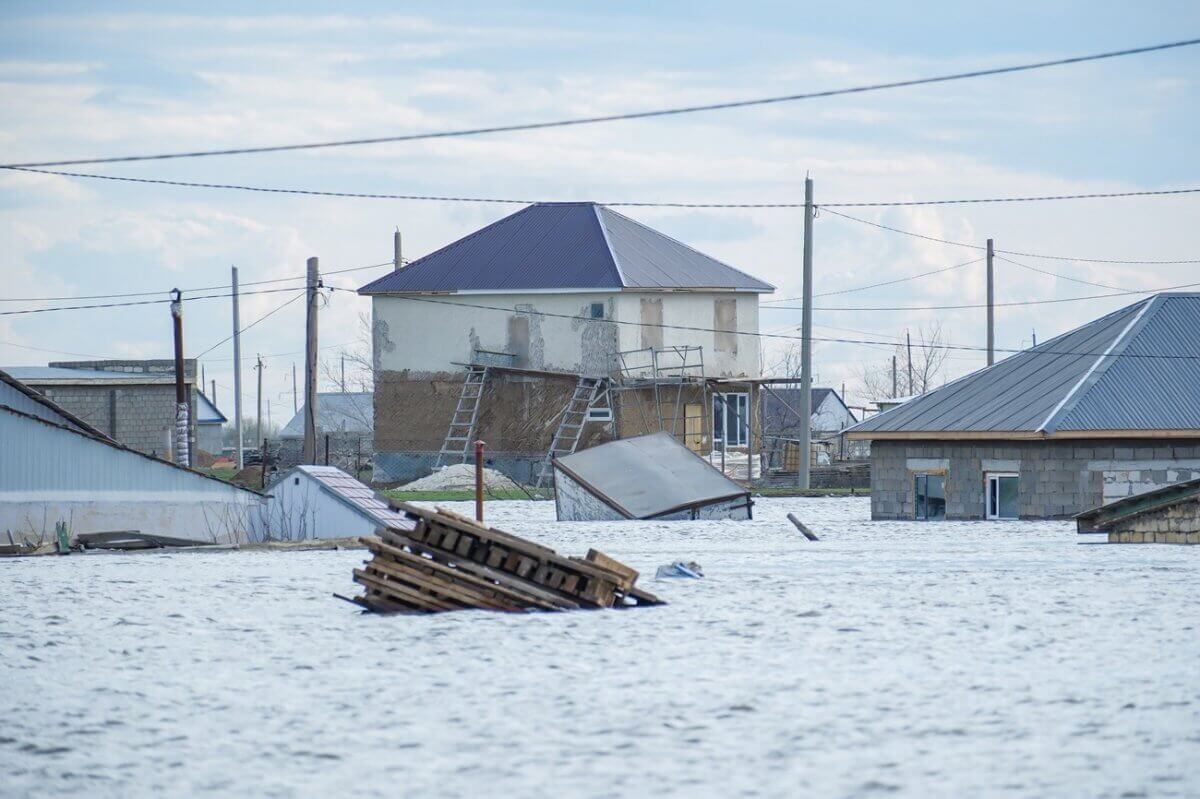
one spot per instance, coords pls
(552, 599)
(626, 576)
(429, 581)
(516, 598)
(398, 592)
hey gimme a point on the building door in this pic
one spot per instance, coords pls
(1002, 491)
(731, 419)
(693, 427)
(929, 496)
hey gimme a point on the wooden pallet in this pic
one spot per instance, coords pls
(450, 562)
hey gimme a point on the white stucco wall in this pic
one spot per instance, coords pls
(424, 336)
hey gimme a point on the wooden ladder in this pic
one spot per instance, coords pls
(462, 426)
(570, 425)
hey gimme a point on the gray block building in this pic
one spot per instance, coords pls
(131, 402)
(1108, 410)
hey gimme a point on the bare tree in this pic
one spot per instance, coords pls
(929, 352)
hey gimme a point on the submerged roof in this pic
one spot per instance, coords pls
(565, 246)
(37, 374)
(648, 476)
(353, 493)
(352, 412)
(1136, 369)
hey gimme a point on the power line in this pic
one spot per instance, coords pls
(995, 305)
(1006, 252)
(759, 334)
(663, 112)
(1062, 277)
(623, 204)
(252, 324)
(133, 302)
(192, 290)
(884, 283)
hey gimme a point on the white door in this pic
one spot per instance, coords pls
(1002, 494)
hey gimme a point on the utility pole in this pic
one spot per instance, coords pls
(991, 311)
(214, 391)
(894, 394)
(1035, 338)
(343, 374)
(203, 379)
(295, 407)
(268, 413)
(908, 344)
(397, 261)
(258, 428)
(803, 475)
(182, 456)
(310, 364)
(237, 374)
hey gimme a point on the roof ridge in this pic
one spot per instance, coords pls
(612, 253)
(1101, 365)
(686, 246)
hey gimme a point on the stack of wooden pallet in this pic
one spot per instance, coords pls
(438, 560)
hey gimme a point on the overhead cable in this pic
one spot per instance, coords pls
(662, 112)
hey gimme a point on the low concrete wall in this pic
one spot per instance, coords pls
(1177, 524)
(1058, 478)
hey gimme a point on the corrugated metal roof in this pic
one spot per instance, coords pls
(1072, 382)
(564, 246)
(648, 475)
(355, 494)
(34, 374)
(17, 395)
(352, 412)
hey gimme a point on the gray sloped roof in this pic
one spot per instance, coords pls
(565, 246)
(353, 493)
(648, 475)
(352, 412)
(1096, 377)
(15, 394)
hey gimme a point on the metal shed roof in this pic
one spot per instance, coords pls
(352, 412)
(353, 493)
(564, 246)
(1094, 378)
(648, 475)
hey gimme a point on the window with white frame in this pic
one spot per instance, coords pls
(731, 419)
(1002, 492)
(599, 414)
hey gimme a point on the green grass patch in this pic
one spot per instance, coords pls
(466, 495)
(224, 474)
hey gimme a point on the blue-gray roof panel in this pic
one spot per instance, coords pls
(564, 246)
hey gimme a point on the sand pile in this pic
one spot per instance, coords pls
(459, 476)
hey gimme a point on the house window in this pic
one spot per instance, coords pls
(929, 495)
(597, 310)
(731, 419)
(1002, 490)
(599, 415)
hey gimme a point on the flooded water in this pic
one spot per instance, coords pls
(951, 659)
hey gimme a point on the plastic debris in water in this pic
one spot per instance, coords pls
(680, 569)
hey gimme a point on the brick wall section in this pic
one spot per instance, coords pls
(145, 415)
(1177, 524)
(1058, 478)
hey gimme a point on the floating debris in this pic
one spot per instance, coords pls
(439, 560)
(680, 569)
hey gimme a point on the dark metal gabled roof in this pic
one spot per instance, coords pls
(1091, 378)
(564, 246)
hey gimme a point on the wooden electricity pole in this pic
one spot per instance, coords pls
(803, 476)
(894, 394)
(181, 453)
(310, 364)
(258, 427)
(397, 261)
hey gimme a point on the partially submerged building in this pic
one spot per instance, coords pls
(1108, 410)
(132, 402)
(322, 502)
(560, 306)
(1168, 515)
(647, 477)
(56, 467)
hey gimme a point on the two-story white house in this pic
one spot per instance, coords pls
(551, 292)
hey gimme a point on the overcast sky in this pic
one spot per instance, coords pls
(77, 82)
